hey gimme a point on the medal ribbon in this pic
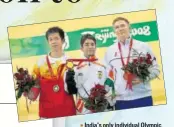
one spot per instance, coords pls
(51, 70)
(80, 61)
(129, 75)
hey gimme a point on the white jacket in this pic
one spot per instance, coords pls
(112, 59)
(87, 75)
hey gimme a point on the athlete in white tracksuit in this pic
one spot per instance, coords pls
(140, 95)
(88, 74)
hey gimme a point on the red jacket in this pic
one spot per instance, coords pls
(54, 101)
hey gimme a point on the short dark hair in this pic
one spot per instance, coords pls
(85, 37)
(120, 18)
(56, 29)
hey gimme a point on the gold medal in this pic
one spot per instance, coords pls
(55, 88)
(70, 65)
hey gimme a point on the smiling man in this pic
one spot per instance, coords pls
(87, 74)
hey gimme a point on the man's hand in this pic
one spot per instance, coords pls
(136, 81)
(31, 96)
(33, 93)
(71, 84)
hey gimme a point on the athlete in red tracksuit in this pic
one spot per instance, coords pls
(55, 96)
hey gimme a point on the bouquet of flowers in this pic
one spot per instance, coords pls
(139, 67)
(24, 82)
(96, 101)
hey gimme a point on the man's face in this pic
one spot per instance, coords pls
(55, 41)
(121, 29)
(89, 48)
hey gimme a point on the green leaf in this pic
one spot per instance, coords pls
(19, 93)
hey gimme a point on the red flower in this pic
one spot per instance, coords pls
(135, 60)
(148, 61)
(93, 95)
(148, 56)
(98, 86)
(24, 81)
(96, 96)
(141, 59)
(141, 68)
(21, 70)
(19, 76)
